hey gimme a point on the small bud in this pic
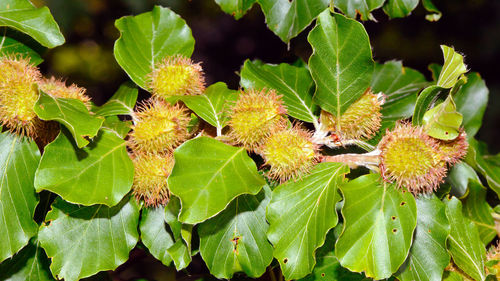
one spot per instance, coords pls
(58, 89)
(18, 95)
(411, 158)
(255, 116)
(158, 127)
(453, 151)
(290, 153)
(361, 120)
(176, 76)
(150, 178)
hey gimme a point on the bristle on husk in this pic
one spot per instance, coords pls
(58, 89)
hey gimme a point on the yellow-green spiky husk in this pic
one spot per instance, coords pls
(494, 255)
(176, 76)
(290, 153)
(18, 95)
(455, 150)
(150, 178)
(255, 116)
(57, 88)
(361, 120)
(158, 127)
(411, 158)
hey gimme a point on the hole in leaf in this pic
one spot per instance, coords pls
(393, 218)
(402, 203)
(394, 230)
(235, 241)
(322, 274)
(285, 260)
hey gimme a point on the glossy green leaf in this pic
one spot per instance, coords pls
(428, 255)
(452, 276)
(155, 233)
(362, 7)
(121, 103)
(236, 8)
(443, 120)
(424, 100)
(235, 240)
(379, 221)
(487, 165)
(288, 18)
(18, 161)
(147, 38)
(214, 105)
(435, 14)
(341, 63)
(459, 176)
(399, 8)
(36, 22)
(72, 113)
(101, 173)
(479, 211)
(118, 127)
(453, 68)
(294, 83)
(81, 241)
(12, 47)
(464, 243)
(300, 214)
(208, 175)
(29, 264)
(471, 100)
(180, 251)
(400, 86)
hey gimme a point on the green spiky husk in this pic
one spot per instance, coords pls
(59, 89)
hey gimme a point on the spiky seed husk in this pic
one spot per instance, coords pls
(18, 95)
(255, 116)
(290, 153)
(453, 151)
(57, 88)
(150, 177)
(493, 261)
(411, 158)
(361, 120)
(176, 76)
(158, 127)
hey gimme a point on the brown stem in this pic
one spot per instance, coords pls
(369, 160)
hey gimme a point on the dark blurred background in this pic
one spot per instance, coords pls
(222, 44)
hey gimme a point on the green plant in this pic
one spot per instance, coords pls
(252, 180)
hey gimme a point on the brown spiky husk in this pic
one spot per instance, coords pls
(455, 150)
(289, 153)
(411, 158)
(151, 171)
(158, 127)
(255, 116)
(58, 89)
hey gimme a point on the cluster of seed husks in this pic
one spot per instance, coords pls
(258, 122)
(159, 126)
(20, 82)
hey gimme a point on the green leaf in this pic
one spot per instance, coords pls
(293, 83)
(435, 14)
(459, 177)
(180, 251)
(213, 106)
(288, 18)
(479, 211)
(70, 112)
(147, 38)
(341, 64)
(487, 165)
(30, 264)
(464, 243)
(363, 8)
(118, 127)
(471, 100)
(424, 100)
(208, 175)
(155, 234)
(453, 68)
(101, 173)
(18, 161)
(300, 214)
(443, 121)
(428, 255)
(379, 221)
(399, 8)
(235, 240)
(121, 103)
(12, 47)
(452, 276)
(400, 85)
(36, 22)
(81, 241)
(236, 8)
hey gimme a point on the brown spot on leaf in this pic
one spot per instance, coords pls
(285, 260)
